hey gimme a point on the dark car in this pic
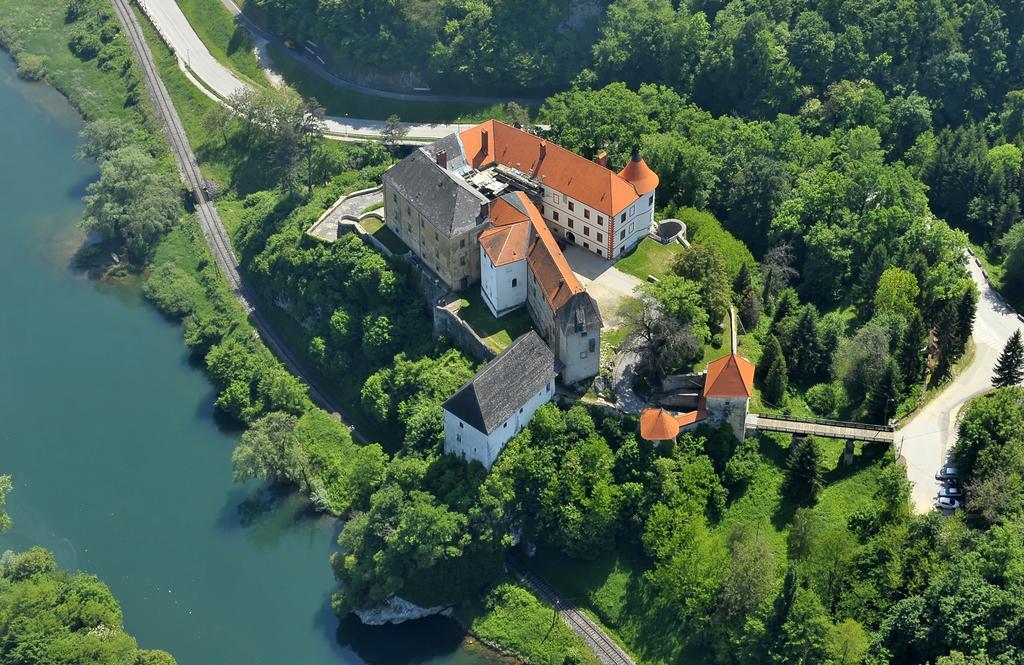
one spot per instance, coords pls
(946, 473)
(951, 492)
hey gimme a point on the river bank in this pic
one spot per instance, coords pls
(165, 587)
(184, 246)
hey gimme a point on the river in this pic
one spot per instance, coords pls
(119, 465)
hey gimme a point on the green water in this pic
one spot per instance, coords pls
(119, 466)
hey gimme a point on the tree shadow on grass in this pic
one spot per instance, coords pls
(869, 454)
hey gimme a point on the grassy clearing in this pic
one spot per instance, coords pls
(496, 333)
(650, 258)
(512, 617)
(227, 41)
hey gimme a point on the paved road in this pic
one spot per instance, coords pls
(213, 230)
(171, 23)
(928, 437)
(314, 66)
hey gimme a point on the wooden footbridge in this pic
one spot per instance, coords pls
(830, 429)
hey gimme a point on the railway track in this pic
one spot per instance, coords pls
(214, 233)
(604, 647)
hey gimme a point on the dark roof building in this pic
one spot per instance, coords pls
(438, 194)
(508, 382)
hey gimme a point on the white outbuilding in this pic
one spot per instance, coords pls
(500, 400)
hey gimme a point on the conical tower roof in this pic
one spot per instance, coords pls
(638, 174)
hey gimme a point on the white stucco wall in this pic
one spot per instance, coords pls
(464, 440)
(605, 232)
(639, 220)
(502, 287)
(575, 353)
(732, 410)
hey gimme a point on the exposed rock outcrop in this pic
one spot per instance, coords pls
(399, 610)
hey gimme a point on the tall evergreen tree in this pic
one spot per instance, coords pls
(883, 396)
(1009, 369)
(911, 356)
(777, 382)
(803, 473)
(744, 281)
(806, 359)
(772, 350)
(871, 271)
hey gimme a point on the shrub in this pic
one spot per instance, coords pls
(172, 290)
(822, 399)
(31, 67)
(85, 44)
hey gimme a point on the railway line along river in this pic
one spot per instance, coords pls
(119, 465)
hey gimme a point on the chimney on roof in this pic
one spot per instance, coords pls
(602, 158)
(543, 149)
(485, 141)
(442, 159)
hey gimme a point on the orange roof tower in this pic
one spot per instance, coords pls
(729, 376)
(638, 174)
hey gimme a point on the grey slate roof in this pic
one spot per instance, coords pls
(507, 383)
(443, 197)
(579, 314)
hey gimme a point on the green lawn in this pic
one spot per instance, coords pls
(511, 616)
(388, 238)
(650, 258)
(496, 333)
(227, 41)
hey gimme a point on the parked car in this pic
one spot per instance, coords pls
(946, 503)
(951, 492)
(946, 473)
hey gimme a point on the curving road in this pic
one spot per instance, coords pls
(215, 234)
(176, 31)
(928, 437)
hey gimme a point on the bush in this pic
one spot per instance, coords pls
(85, 44)
(172, 290)
(822, 399)
(31, 67)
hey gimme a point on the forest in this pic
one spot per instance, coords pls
(836, 159)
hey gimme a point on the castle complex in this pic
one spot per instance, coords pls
(494, 205)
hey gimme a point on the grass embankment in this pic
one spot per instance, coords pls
(613, 588)
(231, 45)
(512, 618)
(496, 333)
(650, 258)
(225, 39)
(39, 28)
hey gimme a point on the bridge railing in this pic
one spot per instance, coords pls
(828, 423)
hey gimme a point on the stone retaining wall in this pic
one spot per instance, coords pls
(462, 336)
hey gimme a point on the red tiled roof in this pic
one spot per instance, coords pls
(729, 376)
(506, 244)
(640, 175)
(658, 425)
(558, 168)
(662, 425)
